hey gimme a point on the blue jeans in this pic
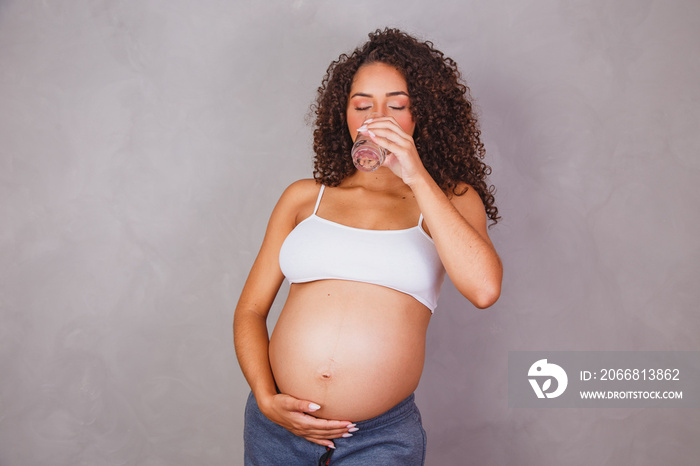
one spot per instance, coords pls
(395, 437)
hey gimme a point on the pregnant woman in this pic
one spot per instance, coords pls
(366, 254)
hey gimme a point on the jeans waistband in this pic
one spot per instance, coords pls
(400, 411)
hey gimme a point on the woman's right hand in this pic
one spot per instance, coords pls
(291, 413)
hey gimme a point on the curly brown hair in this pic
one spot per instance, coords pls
(447, 133)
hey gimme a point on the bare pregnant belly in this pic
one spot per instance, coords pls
(355, 349)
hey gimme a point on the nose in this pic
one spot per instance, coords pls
(376, 114)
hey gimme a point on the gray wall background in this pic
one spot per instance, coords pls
(144, 144)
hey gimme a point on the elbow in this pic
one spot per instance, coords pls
(484, 291)
(487, 295)
(486, 298)
(490, 290)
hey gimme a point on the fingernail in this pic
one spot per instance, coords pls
(371, 134)
(314, 407)
(351, 425)
(362, 129)
(331, 446)
(354, 429)
(347, 435)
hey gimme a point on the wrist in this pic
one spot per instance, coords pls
(420, 180)
(264, 401)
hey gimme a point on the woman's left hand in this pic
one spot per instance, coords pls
(403, 159)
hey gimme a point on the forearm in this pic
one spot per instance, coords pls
(251, 342)
(468, 255)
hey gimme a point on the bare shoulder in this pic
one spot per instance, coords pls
(470, 205)
(293, 204)
(298, 199)
(470, 199)
(301, 189)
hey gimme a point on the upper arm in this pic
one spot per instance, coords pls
(470, 206)
(265, 277)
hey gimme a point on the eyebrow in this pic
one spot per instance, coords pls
(388, 94)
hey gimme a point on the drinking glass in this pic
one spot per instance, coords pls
(366, 154)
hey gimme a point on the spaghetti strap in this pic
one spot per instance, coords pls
(422, 228)
(318, 200)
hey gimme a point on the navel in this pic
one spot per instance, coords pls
(326, 373)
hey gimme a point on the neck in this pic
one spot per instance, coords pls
(382, 179)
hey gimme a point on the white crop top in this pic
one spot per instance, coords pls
(403, 260)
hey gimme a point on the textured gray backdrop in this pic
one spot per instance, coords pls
(143, 145)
